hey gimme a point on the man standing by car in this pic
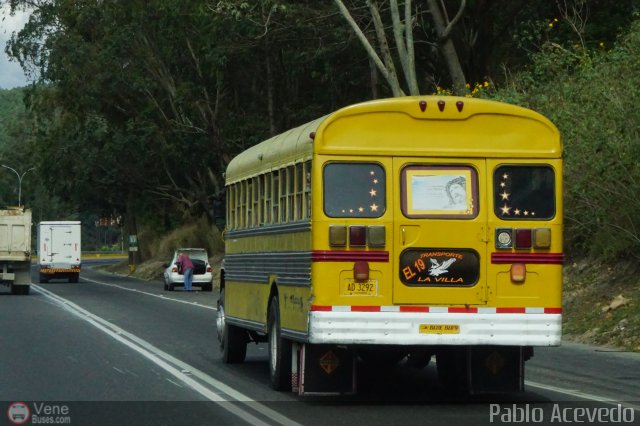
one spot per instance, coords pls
(186, 266)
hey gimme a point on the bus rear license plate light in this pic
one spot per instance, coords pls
(358, 236)
(542, 238)
(338, 235)
(523, 239)
(518, 272)
(377, 236)
(361, 270)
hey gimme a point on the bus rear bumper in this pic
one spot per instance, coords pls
(432, 328)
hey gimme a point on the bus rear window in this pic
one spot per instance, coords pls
(524, 192)
(354, 190)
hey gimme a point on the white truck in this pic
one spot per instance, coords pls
(15, 249)
(59, 250)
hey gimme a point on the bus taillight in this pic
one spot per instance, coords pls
(358, 236)
(525, 238)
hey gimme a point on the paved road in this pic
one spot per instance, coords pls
(116, 350)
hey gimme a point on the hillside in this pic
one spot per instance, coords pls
(601, 303)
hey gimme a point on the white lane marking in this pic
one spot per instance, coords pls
(159, 296)
(570, 392)
(580, 394)
(175, 367)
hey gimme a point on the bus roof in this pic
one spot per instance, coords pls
(438, 126)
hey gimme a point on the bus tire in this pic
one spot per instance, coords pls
(233, 340)
(279, 351)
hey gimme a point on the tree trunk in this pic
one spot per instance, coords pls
(447, 47)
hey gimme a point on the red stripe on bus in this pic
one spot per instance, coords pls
(537, 258)
(414, 309)
(454, 310)
(426, 309)
(349, 256)
(511, 310)
(321, 308)
(365, 309)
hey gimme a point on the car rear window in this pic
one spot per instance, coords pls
(195, 254)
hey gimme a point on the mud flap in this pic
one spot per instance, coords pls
(325, 370)
(496, 369)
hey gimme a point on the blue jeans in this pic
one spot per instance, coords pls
(188, 278)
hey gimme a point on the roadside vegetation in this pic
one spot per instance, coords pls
(137, 107)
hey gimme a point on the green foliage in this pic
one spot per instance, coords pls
(140, 104)
(198, 234)
(592, 96)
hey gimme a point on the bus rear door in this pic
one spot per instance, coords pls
(440, 228)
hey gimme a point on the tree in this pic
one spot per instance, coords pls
(402, 24)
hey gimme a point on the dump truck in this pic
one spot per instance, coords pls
(15, 249)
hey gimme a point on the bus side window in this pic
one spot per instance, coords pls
(243, 204)
(276, 196)
(231, 206)
(249, 201)
(307, 190)
(257, 194)
(291, 190)
(299, 188)
(266, 195)
(283, 195)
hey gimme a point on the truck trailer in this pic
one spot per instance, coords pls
(59, 250)
(15, 249)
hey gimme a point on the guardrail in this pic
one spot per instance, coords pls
(104, 255)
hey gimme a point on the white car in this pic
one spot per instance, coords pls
(202, 272)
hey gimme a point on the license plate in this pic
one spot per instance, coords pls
(440, 328)
(350, 287)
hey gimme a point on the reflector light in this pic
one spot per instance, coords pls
(523, 238)
(542, 238)
(376, 236)
(518, 272)
(361, 270)
(423, 105)
(312, 135)
(337, 235)
(441, 105)
(504, 238)
(358, 236)
(459, 105)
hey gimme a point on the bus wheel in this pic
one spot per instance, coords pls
(233, 340)
(279, 351)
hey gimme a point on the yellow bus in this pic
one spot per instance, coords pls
(404, 228)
